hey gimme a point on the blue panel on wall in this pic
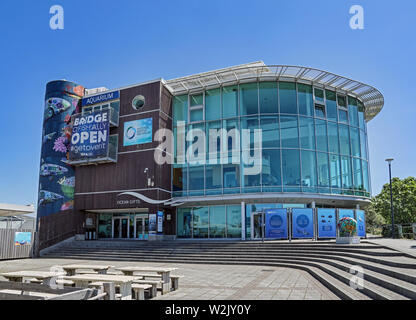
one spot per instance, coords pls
(343, 213)
(360, 223)
(326, 223)
(276, 224)
(302, 223)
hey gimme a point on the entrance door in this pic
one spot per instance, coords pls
(121, 228)
(257, 232)
(142, 228)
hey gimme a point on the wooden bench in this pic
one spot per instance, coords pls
(153, 283)
(175, 282)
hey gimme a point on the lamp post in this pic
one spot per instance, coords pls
(391, 198)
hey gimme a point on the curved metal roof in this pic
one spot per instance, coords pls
(372, 99)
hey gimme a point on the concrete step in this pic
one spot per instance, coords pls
(338, 285)
(388, 278)
(400, 262)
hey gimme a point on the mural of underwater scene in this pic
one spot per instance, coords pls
(56, 178)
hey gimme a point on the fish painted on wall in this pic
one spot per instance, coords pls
(48, 169)
(68, 205)
(46, 197)
(55, 106)
(48, 137)
(67, 186)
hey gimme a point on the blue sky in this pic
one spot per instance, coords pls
(117, 43)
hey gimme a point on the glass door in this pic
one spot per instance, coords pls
(257, 232)
(142, 228)
(121, 228)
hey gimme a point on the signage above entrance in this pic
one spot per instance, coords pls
(100, 98)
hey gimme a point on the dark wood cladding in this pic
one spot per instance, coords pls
(58, 227)
(150, 91)
(97, 186)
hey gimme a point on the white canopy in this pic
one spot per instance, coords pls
(9, 210)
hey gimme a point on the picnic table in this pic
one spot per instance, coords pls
(47, 277)
(125, 282)
(72, 268)
(163, 273)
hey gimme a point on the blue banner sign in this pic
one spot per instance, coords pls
(160, 222)
(100, 98)
(360, 223)
(302, 223)
(345, 213)
(326, 223)
(90, 135)
(276, 224)
(22, 238)
(138, 132)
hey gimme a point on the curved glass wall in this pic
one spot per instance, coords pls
(313, 141)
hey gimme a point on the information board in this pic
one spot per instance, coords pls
(276, 224)
(302, 223)
(326, 223)
(360, 223)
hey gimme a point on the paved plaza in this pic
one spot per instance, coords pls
(213, 282)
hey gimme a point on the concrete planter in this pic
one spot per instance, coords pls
(348, 240)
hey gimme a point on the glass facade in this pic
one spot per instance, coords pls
(313, 141)
(211, 222)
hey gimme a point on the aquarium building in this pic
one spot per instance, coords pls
(100, 178)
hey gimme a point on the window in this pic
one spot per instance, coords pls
(305, 99)
(355, 142)
(234, 221)
(307, 133)
(309, 177)
(319, 111)
(321, 135)
(231, 174)
(271, 168)
(180, 108)
(331, 105)
(213, 104)
(270, 131)
(287, 97)
(335, 169)
(361, 121)
(184, 223)
(333, 137)
(353, 111)
(200, 222)
(217, 224)
(323, 170)
(363, 143)
(213, 176)
(249, 123)
(229, 102)
(196, 109)
(289, 131)
(319, 95)
(342, 101)
(196, 177)
(180, 181)
(344, 140)
(249, 99)
(291, 167)
(358, 174)
(343, 116)
(268, 97)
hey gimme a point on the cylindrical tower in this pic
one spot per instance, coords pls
(56, 178)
